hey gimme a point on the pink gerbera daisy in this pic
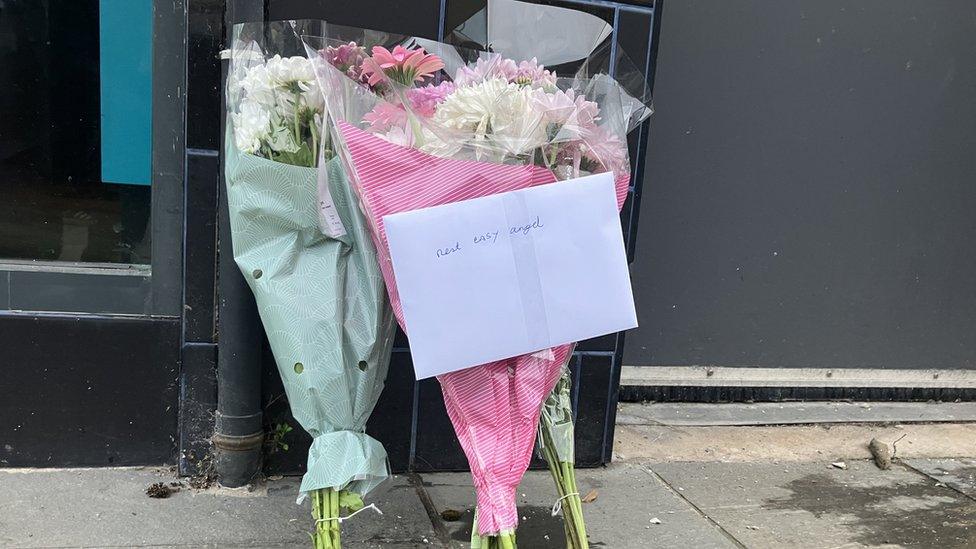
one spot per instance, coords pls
(401, 65)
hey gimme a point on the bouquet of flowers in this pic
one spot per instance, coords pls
(416, 130)
(303, 246)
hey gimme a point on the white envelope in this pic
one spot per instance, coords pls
(511, 273)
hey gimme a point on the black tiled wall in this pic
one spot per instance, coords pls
(410, 418)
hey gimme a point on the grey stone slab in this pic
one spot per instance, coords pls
(629, 497)
(792, 413)
(109, 508)
(815, 505)
(958, 474)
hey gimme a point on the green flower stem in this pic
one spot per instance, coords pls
(320, 539)
(334, 496)
(298, 124)
(504, 540)
(315, 143)
(325, 505)
(562, 470)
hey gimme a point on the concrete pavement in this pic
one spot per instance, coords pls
(690, 484)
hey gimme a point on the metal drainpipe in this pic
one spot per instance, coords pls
(239, 434)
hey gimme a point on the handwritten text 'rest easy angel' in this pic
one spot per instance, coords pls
(491, 237)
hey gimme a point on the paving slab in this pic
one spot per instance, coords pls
(958, 474)
(109, 508)
(663, 443)
(816, 505)
(792, 413)
(628, 498)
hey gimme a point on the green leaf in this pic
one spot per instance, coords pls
(350, 500)
(301, 157)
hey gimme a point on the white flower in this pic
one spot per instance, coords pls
(312, 96)
(284, 70)
(281, 105)
(252, 125)
(493, 114)
(258, 87)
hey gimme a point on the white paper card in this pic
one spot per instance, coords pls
(512, 273)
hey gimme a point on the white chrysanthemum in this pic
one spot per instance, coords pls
(258, 87)
(280, 98)
(312, 95)
(284, 70)
(252, 125)
(492, 114)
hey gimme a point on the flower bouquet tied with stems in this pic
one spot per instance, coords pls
(315, 278)
(415, 129)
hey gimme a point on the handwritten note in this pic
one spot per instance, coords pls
(512, 273)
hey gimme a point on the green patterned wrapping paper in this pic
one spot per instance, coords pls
(324, 307)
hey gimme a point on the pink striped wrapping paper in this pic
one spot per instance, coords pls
(494, 407)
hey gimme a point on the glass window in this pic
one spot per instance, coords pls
(75, 130)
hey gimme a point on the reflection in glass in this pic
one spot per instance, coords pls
(54, 205)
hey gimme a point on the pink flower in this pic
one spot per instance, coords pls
(345, 55)
(606, 149)
(556, 107)
(385, 116)
(587, 112)
(402, 65)
(424, 100)
(493, 66)
(531, 73)
(566, 108)
(348, 58)
(526, 73)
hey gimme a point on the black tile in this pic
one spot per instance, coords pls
(633, 38)
(639, 179)
(437, 448)
(594, 384)
(409, 17)
(88, 391)
(393, 417)
(198, 403)
(602, 343)
(201, 246)
(400, 339)
(601, 11)
(278, 460)
(204, 37)
(634, 145)
(465, 22)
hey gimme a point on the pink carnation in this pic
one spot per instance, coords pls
(424, 100)
(345, 55)
(348, 58)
